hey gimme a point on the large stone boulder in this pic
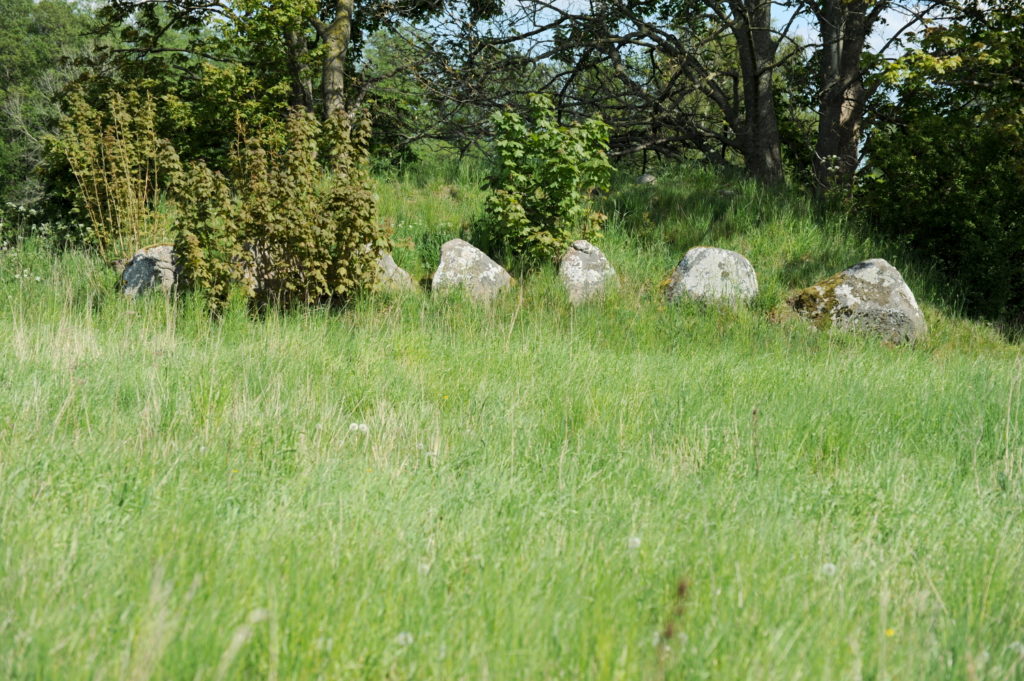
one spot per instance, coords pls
(871, 296)
(466, 266)
(391, 277)
(152, 267)
(712, 275)
(646, 178)
(585, 272)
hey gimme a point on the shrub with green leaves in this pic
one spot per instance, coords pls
(294, 221)
(541, 184)
(207, 243)
(120, 165)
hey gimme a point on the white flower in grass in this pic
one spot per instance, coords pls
(828, 570)
(403, 639)
(633, 543)
(358, 428)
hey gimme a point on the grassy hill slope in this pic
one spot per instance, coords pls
(626, 491)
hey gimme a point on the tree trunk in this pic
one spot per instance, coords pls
(844, 26)
(336, 38)
(758, 133)
(836, 154)
(302, 87)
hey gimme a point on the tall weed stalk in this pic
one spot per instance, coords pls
(120, 163)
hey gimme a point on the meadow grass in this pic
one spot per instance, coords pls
(628, 490)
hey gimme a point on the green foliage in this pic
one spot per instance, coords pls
(36, 41)
(198, 113)
(577, 470)
(401, 112)
(206, 244)
(213, 60)
(952, 189)
(433, 92)
(541, 184)
(19, 222)
(275, 224)
(204, 72)
(946, 169)
(120, 164)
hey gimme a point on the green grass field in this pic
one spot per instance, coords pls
(625, 491)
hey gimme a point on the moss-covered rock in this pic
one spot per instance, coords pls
(871, 296)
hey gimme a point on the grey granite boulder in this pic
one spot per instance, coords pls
(646, 178)
(585, 272)
(871, 296)
(712, 275)
(391, 277)
(151, 267)
(466, 266)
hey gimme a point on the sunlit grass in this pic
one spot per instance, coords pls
(626, 491)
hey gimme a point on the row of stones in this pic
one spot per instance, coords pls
(870, 296)
(707, 274)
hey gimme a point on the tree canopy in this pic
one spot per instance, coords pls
(37, 42)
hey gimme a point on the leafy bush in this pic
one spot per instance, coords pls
(952, 190)
(19, 222)
(945, 168)
(278, 224)
(206, 242)
(120, 164)
(541, 184)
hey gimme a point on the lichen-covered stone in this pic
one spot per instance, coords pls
(152, 267)
(585, 272)
(712, 275)
(466, 266)
(391, 277)
(871, 296)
